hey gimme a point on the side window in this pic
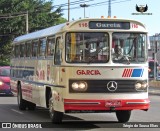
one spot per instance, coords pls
(42, 47)
(50, 46)
(58, 52)
(35, 48)
(28, 49)
(17, 51)
(22, 50)
(13, 51)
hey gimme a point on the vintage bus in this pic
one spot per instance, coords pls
(84, 66)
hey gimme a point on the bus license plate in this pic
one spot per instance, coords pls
(113, 103)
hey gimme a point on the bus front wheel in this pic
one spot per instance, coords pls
(55, 116)
(22, 104)
(123, 116)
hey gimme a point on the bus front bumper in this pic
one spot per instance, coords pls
(71, 105)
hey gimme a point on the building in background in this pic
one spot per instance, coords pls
(154, 47)
(154, 56)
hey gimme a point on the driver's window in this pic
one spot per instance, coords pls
(130, 47)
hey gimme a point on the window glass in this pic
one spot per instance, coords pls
(34, 48)
(50, 46)
(87, 47)
(17, 51)
(28, 49)
(42, 47)
(22, 50)
(58, 52)
(129, 47)
(13, 52)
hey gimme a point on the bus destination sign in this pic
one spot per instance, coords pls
(108, 25)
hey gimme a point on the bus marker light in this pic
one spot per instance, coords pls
(102, 17)
(67, 24)
(63, 70)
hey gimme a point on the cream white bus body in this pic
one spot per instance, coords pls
(75, 68)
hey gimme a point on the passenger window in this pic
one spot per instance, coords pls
(50, 46)
(22, 50)
(58, 52)
(42, 47)
(17, 51)
(35, 48)
(28, 49)
(13, 51)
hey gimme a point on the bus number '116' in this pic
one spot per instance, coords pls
(83, 24)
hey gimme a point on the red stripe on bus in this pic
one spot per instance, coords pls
(130, 72)
(124, 73)
(126, 104)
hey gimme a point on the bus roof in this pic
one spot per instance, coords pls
(39, 34)
(55, 29)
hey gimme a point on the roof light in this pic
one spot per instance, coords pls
(67, 23)
(115, 17)
(109, 17)
(102, 17)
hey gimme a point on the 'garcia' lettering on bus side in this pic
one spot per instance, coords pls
(88, 72)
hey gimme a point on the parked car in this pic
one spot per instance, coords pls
(5, 80)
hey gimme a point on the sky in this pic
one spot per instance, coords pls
(119, 8)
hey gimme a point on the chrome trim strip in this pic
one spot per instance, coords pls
(83, 103)
(132, 103)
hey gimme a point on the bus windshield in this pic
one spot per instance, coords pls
(87, 47)
(129, 47)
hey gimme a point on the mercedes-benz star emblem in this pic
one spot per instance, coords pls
(112, 86)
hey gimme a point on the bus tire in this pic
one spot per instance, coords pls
(123, 116)
(22, 104)
(56, 116)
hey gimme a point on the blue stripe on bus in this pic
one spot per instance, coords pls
(137, 72)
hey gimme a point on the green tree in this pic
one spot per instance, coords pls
(40, 16)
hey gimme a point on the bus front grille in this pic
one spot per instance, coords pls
(103, 86)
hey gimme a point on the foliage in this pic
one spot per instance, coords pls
(40, 16)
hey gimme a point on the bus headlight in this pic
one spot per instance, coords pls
(79, 86)
(75, 86)
(144, 85)
(141, 85)
(138, 85)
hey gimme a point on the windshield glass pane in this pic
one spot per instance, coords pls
(129, 47)
(87, 47)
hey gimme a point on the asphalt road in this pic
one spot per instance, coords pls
(9, 112)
